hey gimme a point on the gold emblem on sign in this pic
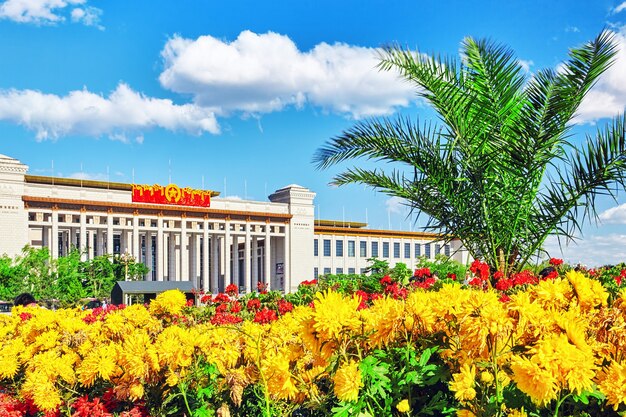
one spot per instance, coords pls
(173, 193)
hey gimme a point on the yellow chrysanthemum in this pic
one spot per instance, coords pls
(540, 385)
(463, 383)
(465, 413)
(348, 381)
(403, 406)
(334, 314)
(383, 319)
(590, 293)
(168, 302)
(613, 384)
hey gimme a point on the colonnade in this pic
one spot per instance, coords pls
(210, 252)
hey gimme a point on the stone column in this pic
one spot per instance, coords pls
(227, 252)
(235, 256)
(246, 257)
(83, 234)
(110, 232)
(149, 258)
(171, 257)
(136, 248)
(184, 252)
(159, 249)
(267, 276)
(255, 263)
(286, 264)
(205, 256)
(54, 239)
(215, 264)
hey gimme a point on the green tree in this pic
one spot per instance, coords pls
(99, 276)
(500, 169)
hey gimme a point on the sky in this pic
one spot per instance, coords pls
(237, 96)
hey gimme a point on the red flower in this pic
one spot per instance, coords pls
(498, 275)
(225, 318)
(284, 306)
(480, 269)
(254, 304)
(552, 275)
(235, 307)
(504, 298)
(221, 298)
(618, 280)
(375, 296)
(261, 287)
(428, 282)
(307, 283)
(422, 273)
(386, 280)
(206, 299)
(222, 308)
(451, 276)
(189, 303)
(504, 284)
(362, 294)
(232, 289)
(556, 261)
(265, 316)
(86, 408)
(25, 316)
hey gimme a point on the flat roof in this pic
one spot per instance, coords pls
(143, 287)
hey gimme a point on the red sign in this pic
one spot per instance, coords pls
(171, 194)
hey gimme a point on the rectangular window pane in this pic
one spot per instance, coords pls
(374, 249)
(418, 250)
(350, 270)
(316, 272)
(437, 249)
(339, 271)
(326, 271)
(339, 248)
(396, 249)
(326, 247)
(351, 249)
(446, 250)
(385, 249)
(427, 250)
(363, 249)
(363, 270)
(316, 247)
(407, 250)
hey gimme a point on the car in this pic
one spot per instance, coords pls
(5, 307)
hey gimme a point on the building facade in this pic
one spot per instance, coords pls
(193, 235)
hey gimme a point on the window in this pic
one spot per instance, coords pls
(374, 249)
(437, 249)
(396, 249)
(351, 249)
(363, 271)
(363, 249)
(385, 249)
(339, 248)
(407, 251)
(326, 271)
(427, 250)
(326, 247)
(350, 270)
(339, 271)
(418, 250)
(446, 250)
(316, 272)
(316, 247)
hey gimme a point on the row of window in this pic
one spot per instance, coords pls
(327, 271)
(374, 253)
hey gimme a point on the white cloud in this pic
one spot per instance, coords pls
(396, 205)
(621, 7)
(608, 97)
(525, 64)
(89, 16)
(49, 11)
(593, 251)
(260, 73)
(85, 113)
(89, 176)
(614, 215)
(572, 29)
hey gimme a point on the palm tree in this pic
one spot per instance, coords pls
(499, 170)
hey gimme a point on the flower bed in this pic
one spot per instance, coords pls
(553, 346)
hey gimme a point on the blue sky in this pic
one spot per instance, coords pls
(238, 95)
